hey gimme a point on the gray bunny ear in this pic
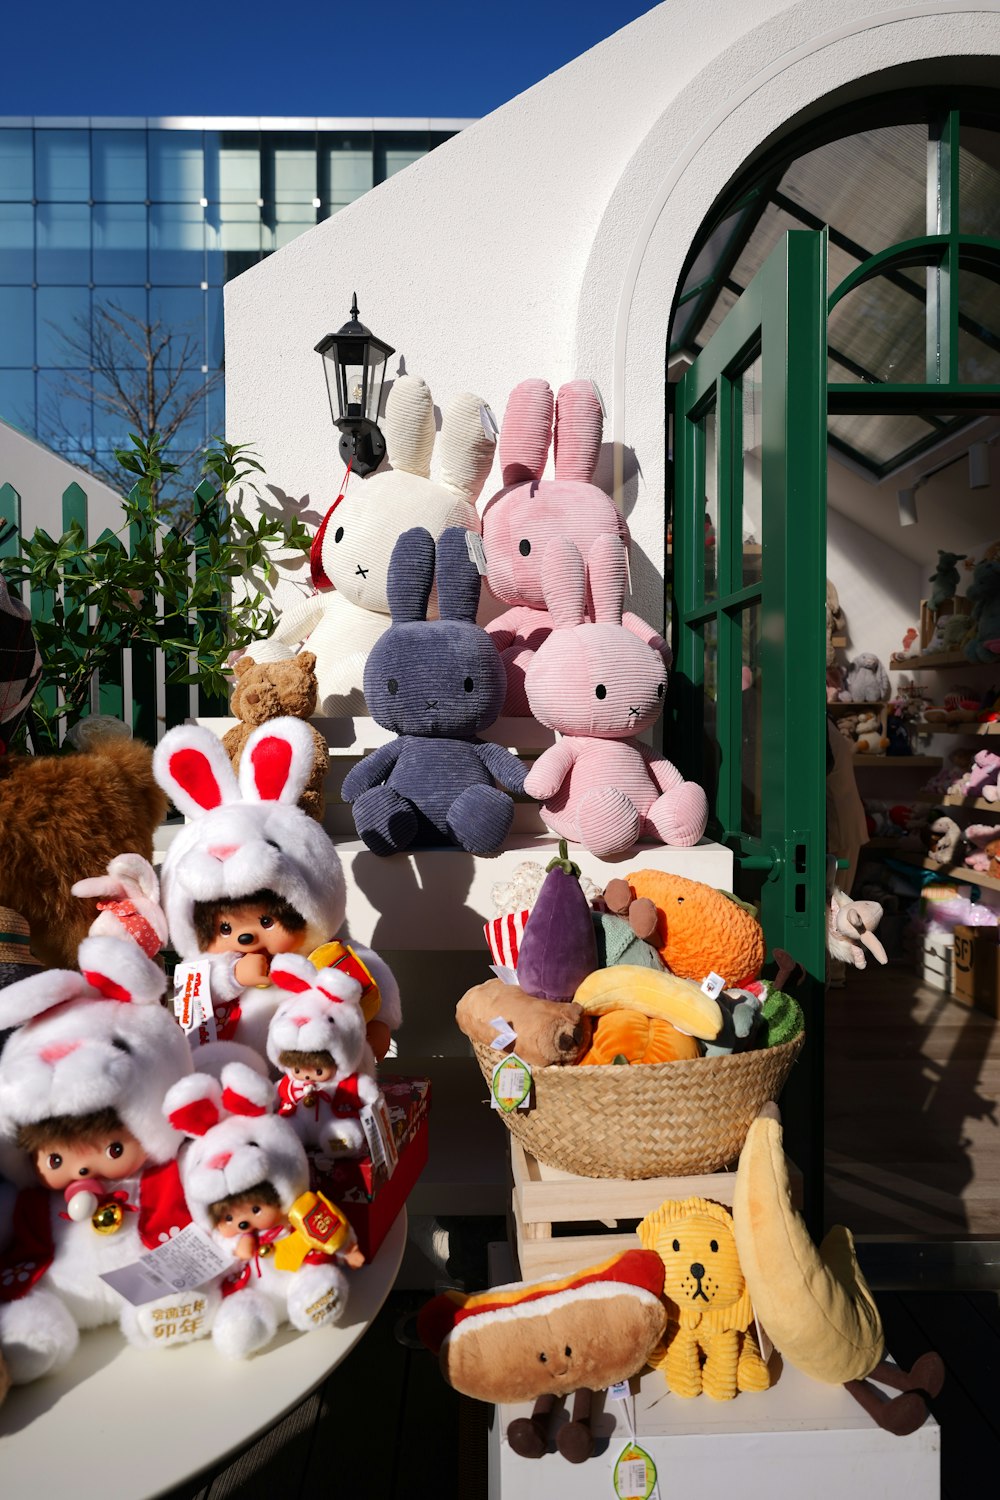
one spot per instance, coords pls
(458, 577)
(411, 575)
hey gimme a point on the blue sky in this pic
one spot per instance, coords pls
(255, 57)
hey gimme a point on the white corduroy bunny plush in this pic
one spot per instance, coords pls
(600, 683)
(243, 1172)
(317, 1040)
(250, 876)
(82, 1084)
(351, 552)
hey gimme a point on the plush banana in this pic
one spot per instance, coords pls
(652, 992)
(814, 1303)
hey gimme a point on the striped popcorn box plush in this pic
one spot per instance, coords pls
(503, 937)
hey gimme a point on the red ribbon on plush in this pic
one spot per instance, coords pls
(320, 581)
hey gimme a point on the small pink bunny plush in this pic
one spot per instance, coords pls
(528, 512)
(600, 683)
(128, 903)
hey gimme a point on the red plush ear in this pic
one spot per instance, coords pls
(271, 759)
(196, 1117)
(237, 1104)
(286, 980)
(108, 988)
(244, 1091)
(193, 773)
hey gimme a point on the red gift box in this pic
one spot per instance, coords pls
(368, 1199)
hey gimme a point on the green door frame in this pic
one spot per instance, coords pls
(779, 613)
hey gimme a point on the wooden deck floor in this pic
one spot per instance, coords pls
(912, 1123)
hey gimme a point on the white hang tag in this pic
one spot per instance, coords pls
(185, 1261)
(713, 985)
(510, 1087)
(634, 1476)
(192, 993)
(763, 1342)
(477, 553)
(505, 974)
(381, 1142)
(597, 393)
(505, 1037)
(620, 1391)
(489, 421)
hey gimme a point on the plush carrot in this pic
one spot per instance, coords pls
(701, 930)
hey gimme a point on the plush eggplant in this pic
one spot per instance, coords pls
(558, 949)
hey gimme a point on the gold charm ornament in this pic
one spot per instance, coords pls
(108, 1218)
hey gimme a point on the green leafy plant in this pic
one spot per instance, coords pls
(165, 580)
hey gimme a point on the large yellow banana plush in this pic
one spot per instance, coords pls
(814, 1303)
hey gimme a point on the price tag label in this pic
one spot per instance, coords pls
(635, 1474)
(713, 985)
(505, 1037)
(381, 1143)
(600, 398)
(185, 1261)
(511, 1085)
(489, 421)
(192, 994)
(619, 1391)
(477, 553)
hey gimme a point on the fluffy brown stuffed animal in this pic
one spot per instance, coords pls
(270, 690)
(63, 817)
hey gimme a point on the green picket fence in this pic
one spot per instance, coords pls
(155, 704)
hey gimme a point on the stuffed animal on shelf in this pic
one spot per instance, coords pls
(522, 518)
(558, 946)
(273, 690)
(983, 777)
(435, 683)
(656, 994)
(979, 837)
(911, 643)
(945, 841)
(836, 684)
(246, 1178)
(961, 706)
(700, 929)
(867, 680)
(850, 930)
(82, 1084)
(540, 1341)
(131, 909)
(944, 578)
(836, 621)
(708, 1344)
(814, 1303)
(249, 876)
(984, 593)
(898, 736)
(353, 546)
(869, 739)
(63, 816)
(601, 683)
(316, 1040)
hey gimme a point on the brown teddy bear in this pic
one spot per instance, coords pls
(63, 817)
(268, 690)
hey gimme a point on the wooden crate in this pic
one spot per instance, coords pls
(602, 1209)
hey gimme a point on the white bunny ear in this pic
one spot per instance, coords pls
(245, 1092)
(121, 971)
(290, 971)
(194, 1104)
(32, 997)
(564, 583)
(335, 985)
(137, 871)
(277, 761)
(606, 567)
(192, 767)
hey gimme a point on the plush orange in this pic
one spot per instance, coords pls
(639, 1039)
(701, 930)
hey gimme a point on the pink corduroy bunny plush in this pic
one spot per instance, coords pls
(528, 512)
(600, 683)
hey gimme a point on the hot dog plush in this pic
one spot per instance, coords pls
(545, 1339)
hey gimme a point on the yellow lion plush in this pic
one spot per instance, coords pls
(708, 1305)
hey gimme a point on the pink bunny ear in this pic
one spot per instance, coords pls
(277, 761)
(192, 767)
(606, 567)
(578, 430)
(245, 1092)
(290, 971)
(637, 626)
(121, 971)
(194, 1104)
(525, 431)
(564, 583)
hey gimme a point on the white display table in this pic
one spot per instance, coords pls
(799, 1438)
(128, 1424)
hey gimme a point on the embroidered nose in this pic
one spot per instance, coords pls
(246, 938)
(223, 851)
(223, 1159)
(362, 571)
(300, 1020)
(697, 1269)
(432, 703)
(57, 1050)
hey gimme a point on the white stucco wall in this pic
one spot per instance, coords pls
(548, 238)
(40, 476)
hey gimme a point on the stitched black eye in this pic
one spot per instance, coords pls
(338, 535)
(524, 546)
(677, 1244)
(659, 690)
(255, 1209)
(393, 686)
(267, 921)
(713, 1245)
(251, 1143)
(600, 690)
(468, 684)
(544, 1358)
(680, 900)
(116, 1041)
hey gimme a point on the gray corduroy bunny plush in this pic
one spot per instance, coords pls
(435, 683)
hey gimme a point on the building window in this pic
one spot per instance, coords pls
(127, 307)
(63, 253)
(348, 169)
(119, 158)
(232, 167)
(176, 244)
(62, 166)
(17, 398)
(394, 152)
(120, 243)
(176, 166)
(62, 317)
(181, 312)
(17, 173)
(17, 346)
(17, 242)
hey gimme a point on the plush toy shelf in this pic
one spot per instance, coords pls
(904, 762)
(932, 661)
(961, 874)
(978, 804)
(924, 727)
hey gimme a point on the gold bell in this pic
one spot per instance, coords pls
(108, 1218)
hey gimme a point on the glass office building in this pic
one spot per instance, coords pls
(153, 217)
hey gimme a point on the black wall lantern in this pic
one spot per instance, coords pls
(356, 359)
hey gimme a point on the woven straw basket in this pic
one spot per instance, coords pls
(670, 1119)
